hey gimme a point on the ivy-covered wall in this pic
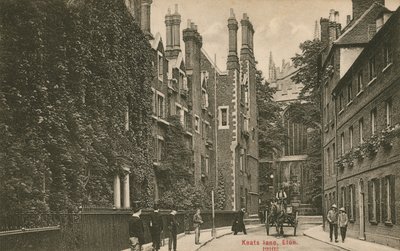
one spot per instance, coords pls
(68, 71)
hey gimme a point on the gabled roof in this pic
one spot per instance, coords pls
(359, 31)
(175, 63)
(156, 41)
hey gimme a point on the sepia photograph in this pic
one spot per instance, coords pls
(187, 125)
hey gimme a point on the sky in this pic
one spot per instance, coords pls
(280, 25)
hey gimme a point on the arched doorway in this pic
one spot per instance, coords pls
(361, 235)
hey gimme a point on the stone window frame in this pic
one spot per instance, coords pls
(220, 120)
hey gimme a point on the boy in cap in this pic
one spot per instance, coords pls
(343, 220)
(332, 218)
(173, 230)
(136, 230)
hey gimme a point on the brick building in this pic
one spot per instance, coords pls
(360, 99)
(217, 108)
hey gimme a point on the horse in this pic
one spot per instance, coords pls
(277, 216)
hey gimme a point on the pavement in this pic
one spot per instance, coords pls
(185, 242)
(349, 244)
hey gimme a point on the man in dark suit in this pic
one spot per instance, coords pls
(156, 227)
(238, 224)
(136, 230)
(173, 230)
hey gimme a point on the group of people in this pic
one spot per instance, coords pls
(136, 229)
(337, 219)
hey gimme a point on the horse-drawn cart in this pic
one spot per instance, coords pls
(281, 218)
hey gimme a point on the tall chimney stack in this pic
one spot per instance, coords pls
(176, 29)
(324, 22)
(145, 13)
(233, 60)
(247, 36)
(168, 23)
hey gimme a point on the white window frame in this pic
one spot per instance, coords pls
(342, 144)
(181, 112)
(197, 122)
(159, 114)
(160, 74)
(220, 126)
(361, 130)
(388, 105)
(351, 136)
(374, 114)
(207, 164)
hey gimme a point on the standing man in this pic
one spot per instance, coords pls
(173, 230)
(343, 220)
(197, 221)
(238, 225)
(136, 230)
(332, 218)
(156, 227)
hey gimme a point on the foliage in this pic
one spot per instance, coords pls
(66, 74)
(175, 176)
(370, 147)
(307, 64)
(220, 196)
(270, 130)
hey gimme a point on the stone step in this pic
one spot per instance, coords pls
(316, 219)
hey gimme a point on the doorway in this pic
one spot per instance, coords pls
(361, 201)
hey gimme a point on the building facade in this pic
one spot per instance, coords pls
(361, 126)
(217, 108)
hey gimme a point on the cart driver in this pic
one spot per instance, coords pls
(281, 197)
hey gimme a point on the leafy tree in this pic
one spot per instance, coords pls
(271, 133)
(308, 110)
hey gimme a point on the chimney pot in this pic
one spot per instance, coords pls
(348, 20)
(169, 11)
(176, 8)
(337, 16)
(189, 23)
(232, 13)
(332, 15)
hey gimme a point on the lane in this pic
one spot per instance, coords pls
(257, 240)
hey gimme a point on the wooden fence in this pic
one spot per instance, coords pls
(98, 229)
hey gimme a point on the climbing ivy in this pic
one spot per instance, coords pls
(175, 175)
(67, 74)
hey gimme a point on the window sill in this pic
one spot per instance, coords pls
(156, 163)
(387, 67)
(163, 121)
(388, 223)
(350, 103)
(341, 111)
(373, 222)
(371, 81)
(352, 220)
(160, 79)
(359, 93)
(223, 127)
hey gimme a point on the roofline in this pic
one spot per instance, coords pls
(212, 62)
(366, 49)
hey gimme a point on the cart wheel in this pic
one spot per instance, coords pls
(295, 225)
